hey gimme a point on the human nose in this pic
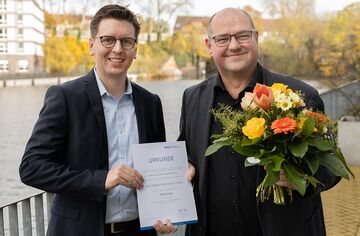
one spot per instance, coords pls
(117, 47)
(233, 44)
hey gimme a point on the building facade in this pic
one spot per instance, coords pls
(22, 36)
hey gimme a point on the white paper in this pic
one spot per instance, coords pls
(167, 194)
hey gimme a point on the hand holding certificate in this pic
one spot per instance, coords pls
(167, 194)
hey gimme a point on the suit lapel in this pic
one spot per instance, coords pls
(93, 93)
(139, 111)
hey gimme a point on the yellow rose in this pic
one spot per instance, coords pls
(278, 87)
(254, 128)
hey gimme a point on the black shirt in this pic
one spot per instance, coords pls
(231, 187)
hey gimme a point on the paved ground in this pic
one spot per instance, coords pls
(342, 207)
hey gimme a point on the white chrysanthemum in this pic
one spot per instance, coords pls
(285, 104)
(294, 97)
(279, 97)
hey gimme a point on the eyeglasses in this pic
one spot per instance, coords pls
(110, 41)
(225, 39)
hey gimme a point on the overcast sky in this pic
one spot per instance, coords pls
(209, 7)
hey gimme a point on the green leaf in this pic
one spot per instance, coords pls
(312, 162)
(298, 149)
(341, 157)
(217, 136)
(271, 178)
(334, 165)
(248, 142)
(276, 162)
(217, 144)
(246, 151)
(313, 181)
(295, 178)
(308, 127)
(320, 143)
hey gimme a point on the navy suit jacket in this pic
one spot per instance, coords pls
(302, 217)
(67, 152)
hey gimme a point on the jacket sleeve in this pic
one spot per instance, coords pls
(43, 164)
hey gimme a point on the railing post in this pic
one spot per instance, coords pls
(2, 231)
(49, 201)
(39, 215)
(13, 220)
(26, 215)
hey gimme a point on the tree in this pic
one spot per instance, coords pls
(290, 48)
(162, 11)
(188, 43)
(67, 55)
(342, 54)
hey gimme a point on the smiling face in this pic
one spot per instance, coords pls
(113, 63)
(235, 58)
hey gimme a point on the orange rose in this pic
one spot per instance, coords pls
(284, 125)
(263, 96)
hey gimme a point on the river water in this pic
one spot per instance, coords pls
(19, 109)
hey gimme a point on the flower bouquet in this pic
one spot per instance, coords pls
(276, 131)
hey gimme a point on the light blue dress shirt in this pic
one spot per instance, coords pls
(122, 132)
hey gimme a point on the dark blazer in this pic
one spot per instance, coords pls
(303, 217)
(67, 152)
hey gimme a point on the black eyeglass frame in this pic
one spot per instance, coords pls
(117, 39)
(236, 36)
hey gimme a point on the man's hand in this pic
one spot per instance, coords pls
(166, 228)
(283, 181)
(124, 175)
(191, 172)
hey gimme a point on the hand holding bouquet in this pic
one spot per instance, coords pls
(276, 131)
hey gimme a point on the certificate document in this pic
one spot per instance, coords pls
(167, 194)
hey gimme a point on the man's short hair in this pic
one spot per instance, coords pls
(252, 25)
(116, 12)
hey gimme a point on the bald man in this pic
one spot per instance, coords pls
(225, 191)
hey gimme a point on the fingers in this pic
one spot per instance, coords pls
(190, 172)
(166, 228)
(124, 175)
(283, 181)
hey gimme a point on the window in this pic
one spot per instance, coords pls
(4, 66)
(3, 48)
(20, 34)
(20, 19)
(23, 65)
(3, 34)
(20, 5)
(2, 19)
(20, 47)
(2, 4)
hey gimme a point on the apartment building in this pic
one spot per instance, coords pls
(22, 36)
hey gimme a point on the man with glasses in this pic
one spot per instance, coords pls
(80, 145)
(225, 191)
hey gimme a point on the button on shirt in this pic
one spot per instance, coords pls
(122, 132)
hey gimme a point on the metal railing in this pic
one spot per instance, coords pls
(341, 100)
(26, 216)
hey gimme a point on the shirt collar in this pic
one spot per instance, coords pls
(103, 90)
